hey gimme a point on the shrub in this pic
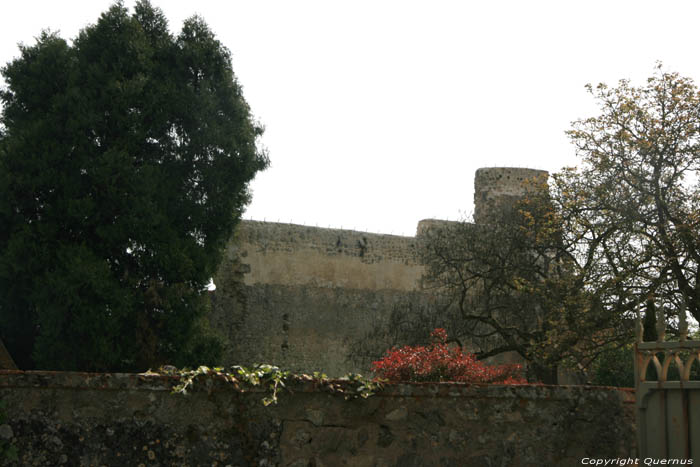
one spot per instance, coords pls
(615, 367)
(439, 362)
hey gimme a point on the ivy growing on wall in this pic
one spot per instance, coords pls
(271, 379)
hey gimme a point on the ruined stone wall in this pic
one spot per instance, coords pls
(494, 186)
(81, 419)
(302, 297)
(288, 254)
(305, 298)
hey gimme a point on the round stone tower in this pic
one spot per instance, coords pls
(498, 186)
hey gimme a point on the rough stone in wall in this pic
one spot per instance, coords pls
(301, 297)
(495, 186)
(288, 254)
(305, 328)
(426, 225)
(80, 419)
(304, 298)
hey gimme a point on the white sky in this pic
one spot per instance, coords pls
(377, 113)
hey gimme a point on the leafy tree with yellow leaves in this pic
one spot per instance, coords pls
(559, 276)
(634, 204)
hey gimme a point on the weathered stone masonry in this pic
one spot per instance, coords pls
(299, 296)
(296, 296)
(81, 419)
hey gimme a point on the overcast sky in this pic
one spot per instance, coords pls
(377, 113)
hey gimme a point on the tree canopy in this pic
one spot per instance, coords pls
(562, 273)
(633, 206)
(511, 286)
(124, 163)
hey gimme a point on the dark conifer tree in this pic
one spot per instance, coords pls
(124, 163)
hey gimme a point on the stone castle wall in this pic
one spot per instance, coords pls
(83, 419)
(301, 297)
(493, 186)
(304, 297)
(288, 254)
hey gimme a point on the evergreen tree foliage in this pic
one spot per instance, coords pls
(124, 163)
(615, 367)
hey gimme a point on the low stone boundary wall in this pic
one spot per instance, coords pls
(128, 419)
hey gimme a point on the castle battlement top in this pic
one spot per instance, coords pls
(493, 185)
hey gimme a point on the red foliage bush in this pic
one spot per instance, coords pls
(438, 362)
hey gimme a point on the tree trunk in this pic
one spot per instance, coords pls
(649, 323)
